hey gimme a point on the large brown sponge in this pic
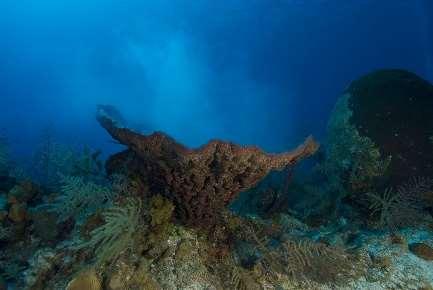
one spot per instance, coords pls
(200, 182)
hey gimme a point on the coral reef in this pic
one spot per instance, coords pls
(79, 198)
(353, 161)
(200, 182)
(403, 206)
(393, 108)
(88, 165)
(164, 216)
(378, 159)
(121, 224)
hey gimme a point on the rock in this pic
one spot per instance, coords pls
(394, 109)
(200, 182)
(426, 287)
(45, 226)
(399, 240)
(41, 266)
(382, 262)
(125, 276)
(18, 212)
(422, 250)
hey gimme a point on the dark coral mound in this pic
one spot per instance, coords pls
(394, 108)
(201, 182)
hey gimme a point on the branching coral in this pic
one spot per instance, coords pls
(12, 271)
(308, 260)
(122, 223)
(242, 279)
(418, 190)
(400, 207)
(79, 198)
(304, 260)
(386, 205)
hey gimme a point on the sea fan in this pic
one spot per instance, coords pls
(241, 279)
(401, 207)
(79, 198)
(385, 205)
(311, 261)
(117, 233)
(418, 190)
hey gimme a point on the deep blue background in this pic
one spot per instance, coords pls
(252, 71)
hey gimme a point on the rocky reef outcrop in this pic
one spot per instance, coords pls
(394, 108)
(379, 151)
(381, 131)
(200, 182)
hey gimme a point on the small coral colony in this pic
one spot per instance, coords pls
(159, 215)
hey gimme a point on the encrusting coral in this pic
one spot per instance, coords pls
(200, 182)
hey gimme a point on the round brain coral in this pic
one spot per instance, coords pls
(87, 280)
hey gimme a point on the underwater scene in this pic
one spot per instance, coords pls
(213, 145)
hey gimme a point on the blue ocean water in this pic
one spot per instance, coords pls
(355, 74)
(255, 72)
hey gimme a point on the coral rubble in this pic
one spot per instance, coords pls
(201, 182)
